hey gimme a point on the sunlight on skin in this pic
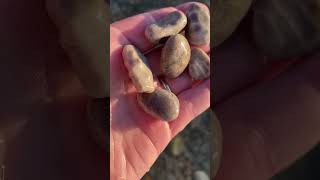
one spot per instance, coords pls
(137, 139)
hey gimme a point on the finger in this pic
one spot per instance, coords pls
(193, 102)
(271, 125)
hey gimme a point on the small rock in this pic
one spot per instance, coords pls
(138, 69)
(198, 25)
(177, 146)
(199, 66)
(168, 25)
(160, 104)
(175, 56)
(200, 175)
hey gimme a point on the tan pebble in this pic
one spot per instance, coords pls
(138, 69)
(97, 115)
(199, 66)
(198, 32)
(84, 36)
(160, 104)
(168, 25)
(284, 29)
(227, 15)
(175, 56)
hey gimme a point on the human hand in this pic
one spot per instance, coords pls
(269, 112)
(137, 139)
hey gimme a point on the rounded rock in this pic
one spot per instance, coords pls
(175, 56)
(168, 25)
(227, 15)
(138, 69)
(97, 113)
(200, 175)
(160, 104)
(198, 32)
(199, 66)
(284, 29)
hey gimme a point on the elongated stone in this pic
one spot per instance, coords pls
(160, 104)
(168, 25)
(199, 66)
(198, 32)
(138, 69)
(286, 28)
(227, 15)
(97, 113)
(84, 35)
(175, 56)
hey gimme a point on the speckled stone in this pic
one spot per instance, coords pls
(227, 15)
(168, 25)
(284, 28)
(175, 56)
(138, 69)
(199, 66)
(160, 104)
(97, 115)
(198, 32)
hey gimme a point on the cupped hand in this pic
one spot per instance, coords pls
(136, 138)
(269, 111)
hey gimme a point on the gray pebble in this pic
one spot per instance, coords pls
(200, 175)
(168, 25)
(199, 66)
(175, 56)
(198, 32)
(138, 69)
(160, 104)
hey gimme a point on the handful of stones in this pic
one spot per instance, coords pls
(176, 57)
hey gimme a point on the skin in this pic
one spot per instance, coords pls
(134, 136)
(269, 112)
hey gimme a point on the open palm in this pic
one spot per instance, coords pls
(136, 138)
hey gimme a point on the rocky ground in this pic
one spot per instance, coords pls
(189, 151)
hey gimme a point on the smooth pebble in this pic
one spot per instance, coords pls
(199, 66)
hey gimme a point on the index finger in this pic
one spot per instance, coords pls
(133, 27)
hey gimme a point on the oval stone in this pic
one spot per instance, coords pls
(160, 104)
(198, 32)
(175, 56)
(168, 25)
(138, 69)
(97, 113)
(284, 29)
(199, 66)
(227, 15)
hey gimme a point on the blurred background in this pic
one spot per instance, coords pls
(189, 151)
